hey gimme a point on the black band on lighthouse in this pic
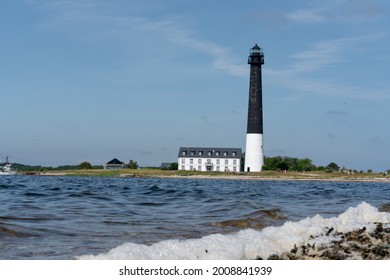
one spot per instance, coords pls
(255, 107)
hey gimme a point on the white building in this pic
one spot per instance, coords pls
(210, 159)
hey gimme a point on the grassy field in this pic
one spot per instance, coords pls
(265, 175)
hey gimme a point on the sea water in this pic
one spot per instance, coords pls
(149, 218)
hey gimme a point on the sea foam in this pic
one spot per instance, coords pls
(250, 243)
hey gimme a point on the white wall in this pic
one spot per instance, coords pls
(254, 156)
(193, 164)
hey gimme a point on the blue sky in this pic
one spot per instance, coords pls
(90, 80)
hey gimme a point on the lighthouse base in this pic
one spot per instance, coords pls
(254, 156)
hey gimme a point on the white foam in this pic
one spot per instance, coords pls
(249, 243)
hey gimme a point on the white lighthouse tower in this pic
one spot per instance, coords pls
(254, 155)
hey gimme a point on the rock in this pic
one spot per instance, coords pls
(357, 244)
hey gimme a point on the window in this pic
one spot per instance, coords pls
(199, 168)
(226, 161)
(218, 168)
(191, 167)
(225, 153)
(217, 153)
(191, 161)
(184, 153)
(234, 161)
(183, 161)
(200, 153)
(218, 161)
(199, 161)
(234, 168)
(210, 153)
(233, 154)
(192, 153)
(183, 167)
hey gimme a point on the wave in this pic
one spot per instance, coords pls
(385, 207)
(10, 231)
(250, 243)
(255, 220)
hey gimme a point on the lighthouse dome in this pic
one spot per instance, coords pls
(256, 55)
(256, 50)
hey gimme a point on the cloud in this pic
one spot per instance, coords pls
(365, 8)
(174, 32)
(336, 11)
(308, 16)
(325, 53)
(102, 22)
(321, 56)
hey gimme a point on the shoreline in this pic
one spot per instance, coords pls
(243, 177)
(262, 176)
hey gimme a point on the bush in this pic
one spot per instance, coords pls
(132, 164)
(85, 165)
(333, 167)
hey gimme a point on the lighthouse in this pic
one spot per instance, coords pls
(254, 155)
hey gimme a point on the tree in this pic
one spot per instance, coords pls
(283, 165)
(272, 163)
(304, 165)
(333, 167)
(292, 163)
(132, 164)
(174, 166)
(85, 165)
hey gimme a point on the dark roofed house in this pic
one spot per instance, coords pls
(114, 164)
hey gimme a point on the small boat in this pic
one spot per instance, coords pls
(7, 170)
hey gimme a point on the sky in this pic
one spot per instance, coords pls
(93, 80)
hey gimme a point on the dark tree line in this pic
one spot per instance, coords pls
(84, 165)
(295, 164)
(25, 168)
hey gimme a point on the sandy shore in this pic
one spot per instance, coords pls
(236, 176)
(282, 178)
